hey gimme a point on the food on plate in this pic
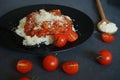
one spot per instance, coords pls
(50, 63)
(108, 27)
(24, 78)
(24, 66)
(39, 27)
(106, 37)
(70, 67)
(104, 57)
(60, 40)
(71, 35)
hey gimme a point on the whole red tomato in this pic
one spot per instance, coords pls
(24, 66)
(50, 63)
(59, 40)
(104, 57)
(106, 37)
(70, 67)
(24, 78)
(71, 35)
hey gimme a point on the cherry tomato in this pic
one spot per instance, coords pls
(106, 37)
(24, 66)
(28, 28)
(50, 63)
(59, 40)
(24, 78)
(70, 67)
(71, 35)
(104, 57)
(56, 11)
(31, 16)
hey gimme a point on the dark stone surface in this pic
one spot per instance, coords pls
(84, 54)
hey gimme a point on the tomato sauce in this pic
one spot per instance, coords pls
(47, 27)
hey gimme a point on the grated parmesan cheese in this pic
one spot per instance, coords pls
(40, 17)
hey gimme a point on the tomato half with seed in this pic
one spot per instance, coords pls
(24, 78)
(71, 35)
(59, 40)
(24, 66)
(104, 57)
(50, 63)
(70, 67)
(106, 37)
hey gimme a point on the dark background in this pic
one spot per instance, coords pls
(83, 54)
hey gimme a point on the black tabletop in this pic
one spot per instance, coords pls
(83, 54)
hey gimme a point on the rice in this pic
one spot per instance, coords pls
(39, 18)
(34, 40)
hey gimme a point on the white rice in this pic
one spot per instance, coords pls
(108, 27)
(34, 40)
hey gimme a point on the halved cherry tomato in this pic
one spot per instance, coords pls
(24, 66)
(104, 57)
(56, 11)
(106, 37)
(24, 78)
(71, 35)
(31, 16)
(50, 63)
(59, 40)
(28, 28)
(70, 67)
